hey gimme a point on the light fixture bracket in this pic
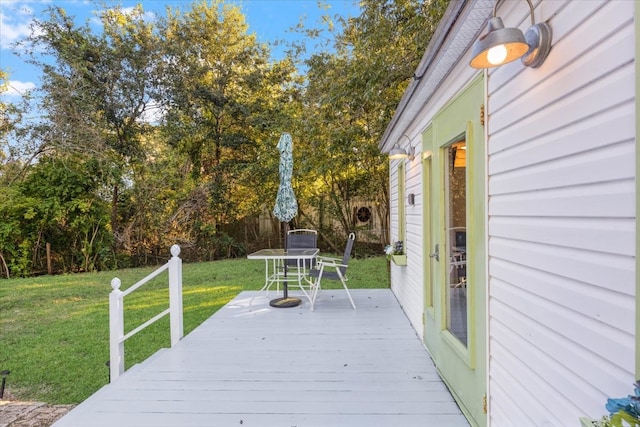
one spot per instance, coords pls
(538, 37)
(411, 153)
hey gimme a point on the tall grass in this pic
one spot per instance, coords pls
(54, 330)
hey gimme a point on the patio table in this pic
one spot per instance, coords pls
(276, 271)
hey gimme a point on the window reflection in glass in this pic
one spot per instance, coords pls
(456, 226)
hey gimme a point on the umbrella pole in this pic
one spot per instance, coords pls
(286, 208)
(285, 287)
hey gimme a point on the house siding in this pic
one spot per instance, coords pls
(405, 280)
(561, 218)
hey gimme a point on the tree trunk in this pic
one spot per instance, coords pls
(49, 268)
(4, 263)
(114, 223)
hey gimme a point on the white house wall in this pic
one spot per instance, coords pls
(406, 280)
(561, 225)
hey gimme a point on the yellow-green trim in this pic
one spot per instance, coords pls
(427, 238)
(463, 367)
(475, 200)
(399, 259)
(454, 344)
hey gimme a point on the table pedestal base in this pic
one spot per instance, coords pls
(285, 302)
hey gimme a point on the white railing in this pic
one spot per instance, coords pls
(116, 312)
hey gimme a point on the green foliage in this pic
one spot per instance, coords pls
(624, 419)
(98, 91)
(619, 419)
(624, 411)
(98, 87)
(56, 203)
(352, 95)
(222, 108)
(10, 117)
(55, 329)
(108, 183)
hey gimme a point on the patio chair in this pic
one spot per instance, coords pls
(301, 238)
(332, 269)
(458, 259)
(458, 269)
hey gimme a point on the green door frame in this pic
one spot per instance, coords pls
(462, 366)
(429, 316)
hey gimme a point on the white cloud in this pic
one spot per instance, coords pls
(146, 15)
(18, 88)
(14, 22)
(10, 32)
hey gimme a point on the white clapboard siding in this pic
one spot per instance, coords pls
(409, 288)
(254, 365)
(393, 195)
(561, 165)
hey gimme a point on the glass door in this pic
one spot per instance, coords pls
(455, 200)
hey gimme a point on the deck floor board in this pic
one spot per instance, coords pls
(254, 365)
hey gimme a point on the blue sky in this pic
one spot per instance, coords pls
(268, 19)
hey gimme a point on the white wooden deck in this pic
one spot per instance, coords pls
(254, 365)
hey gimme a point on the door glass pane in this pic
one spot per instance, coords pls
(456, 236)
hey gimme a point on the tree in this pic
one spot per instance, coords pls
(12, 126)
(225, 103)
(6, 122)
(98, 91)
(56, 203)
(11, 116)
(156, 132)
(352, 95)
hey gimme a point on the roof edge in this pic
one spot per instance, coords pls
(440, 36)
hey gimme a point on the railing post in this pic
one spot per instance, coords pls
(116, 330)
(175, 295)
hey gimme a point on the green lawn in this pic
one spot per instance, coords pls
(54, 330)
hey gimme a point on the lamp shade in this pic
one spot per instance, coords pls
(397, 152)
(499, 46)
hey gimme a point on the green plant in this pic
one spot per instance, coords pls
(623, 411)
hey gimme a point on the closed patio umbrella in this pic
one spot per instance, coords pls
(286, 207)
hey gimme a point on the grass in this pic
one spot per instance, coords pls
(54, 330)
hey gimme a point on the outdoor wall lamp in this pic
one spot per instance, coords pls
(501, 45)
(398, 152)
